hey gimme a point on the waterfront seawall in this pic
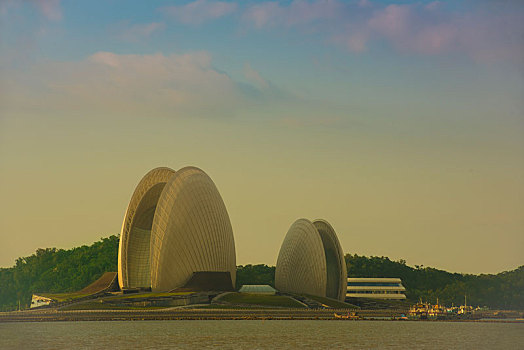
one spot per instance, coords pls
(184, 314)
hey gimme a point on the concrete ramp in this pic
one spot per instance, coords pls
(108, 282)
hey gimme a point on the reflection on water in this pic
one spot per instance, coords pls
(260, 335)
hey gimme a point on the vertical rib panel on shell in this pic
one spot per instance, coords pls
(191, 231)
(332, 248)
(301, 263)
(133, 249)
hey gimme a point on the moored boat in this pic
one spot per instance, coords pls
(348, 316)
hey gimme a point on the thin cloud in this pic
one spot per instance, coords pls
(153, 85)
(50, 9)
(364, 3)
(484, 33)
(264, 14)
(137, 32)
(158, 84)
(254, 77)
(200, 11)
(298, 12)
(415, 29)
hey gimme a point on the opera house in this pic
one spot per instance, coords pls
(176, 233)
(311, 261)
(177, 237)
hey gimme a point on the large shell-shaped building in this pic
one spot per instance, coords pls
(311, 261)
(176, 225)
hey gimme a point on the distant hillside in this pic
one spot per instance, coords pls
(503, 291)
(57, 270)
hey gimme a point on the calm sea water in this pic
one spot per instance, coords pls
(261, 335)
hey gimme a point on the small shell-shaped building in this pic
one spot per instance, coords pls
(311, 261)
(176, 225)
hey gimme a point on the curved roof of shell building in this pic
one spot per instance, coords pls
(311, 261)
(176, 225)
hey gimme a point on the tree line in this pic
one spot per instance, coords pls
(54, 270)
(501, 291)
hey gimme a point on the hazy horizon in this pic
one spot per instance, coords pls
(399, 122)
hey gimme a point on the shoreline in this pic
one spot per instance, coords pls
(212, 314)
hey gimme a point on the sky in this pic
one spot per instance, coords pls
(399, 122)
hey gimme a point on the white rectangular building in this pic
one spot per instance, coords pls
(375, 288)
(38, 300)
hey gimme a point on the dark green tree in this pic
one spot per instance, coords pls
(255, 274)
(54, 270)
(504, 290)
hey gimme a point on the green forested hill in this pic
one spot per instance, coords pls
(503, 291)
(57, 270)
